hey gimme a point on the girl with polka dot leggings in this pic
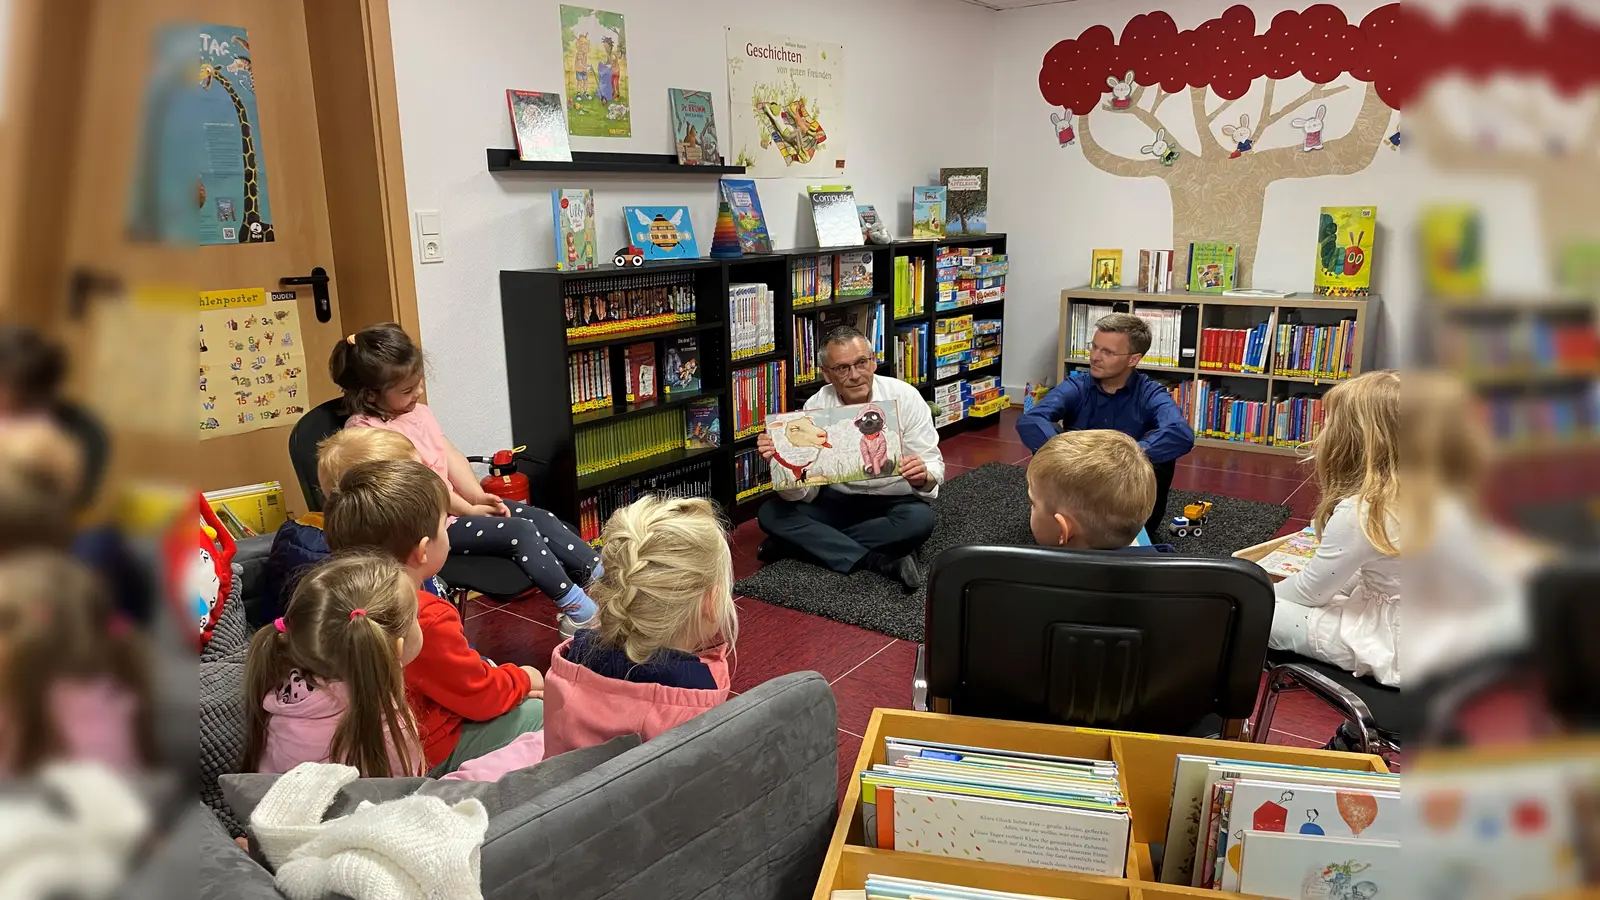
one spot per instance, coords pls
(380, 370)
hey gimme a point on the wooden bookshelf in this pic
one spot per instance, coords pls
(1144, 768)
(536, 346)
(1215, 310)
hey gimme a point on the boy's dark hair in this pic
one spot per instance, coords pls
(32, 366)
(390, 506)
(1137, 330)
(369, 362)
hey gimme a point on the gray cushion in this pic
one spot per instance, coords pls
(232, 630)
(222, 728)
(243, 792)
(226, 872)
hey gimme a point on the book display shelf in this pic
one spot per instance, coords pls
(1249, 373)
(1145, 765)
(934, 386)
(633, 438)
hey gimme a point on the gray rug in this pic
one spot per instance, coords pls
(988, 505)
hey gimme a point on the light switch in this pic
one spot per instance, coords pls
(430, 236)
(428, 222)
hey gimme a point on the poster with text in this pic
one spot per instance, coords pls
(786, 97)
(232, 193)
(252, 373)
(594, 54)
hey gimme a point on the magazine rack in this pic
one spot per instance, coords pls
(1144, 768)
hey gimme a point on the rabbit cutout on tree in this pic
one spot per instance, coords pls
(1160, 149)
(1063, 124)
(1313, 127)
(1121, 91)
(1240, 135)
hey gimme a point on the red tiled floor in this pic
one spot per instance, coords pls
(775, 641)
(882, 681)
(506, 637)
(1246, 462)
(971, 451)
(1261, 488)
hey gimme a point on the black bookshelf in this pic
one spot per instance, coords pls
(537, 346)
(588, 161)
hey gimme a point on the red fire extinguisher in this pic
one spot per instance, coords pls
(503, 480)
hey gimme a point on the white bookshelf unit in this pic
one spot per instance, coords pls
(1192, 313)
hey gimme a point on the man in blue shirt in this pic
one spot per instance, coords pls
(1113, 395)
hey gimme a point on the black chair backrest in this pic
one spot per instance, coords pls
(1141, 642)
(93, 442)
(1566, 622)
(318, 423)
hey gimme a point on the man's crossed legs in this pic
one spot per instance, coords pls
(846, 532)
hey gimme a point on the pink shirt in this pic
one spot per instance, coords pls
(422, 428)
(95, 721)
(583, 708)
(301, 721)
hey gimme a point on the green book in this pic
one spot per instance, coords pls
(1212, 267)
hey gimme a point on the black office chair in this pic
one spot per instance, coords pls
(1170, 645)
(1565, 626)
(93, 442)
(1362, 701)
(490, 576)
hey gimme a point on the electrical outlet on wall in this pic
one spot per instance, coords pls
(430, 236)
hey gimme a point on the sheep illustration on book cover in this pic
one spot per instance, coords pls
(835, 445)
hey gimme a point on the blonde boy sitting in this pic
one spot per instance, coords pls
(1091, 490)
(300, 542)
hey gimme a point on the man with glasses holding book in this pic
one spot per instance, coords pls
(876, 524)
(1113, 395)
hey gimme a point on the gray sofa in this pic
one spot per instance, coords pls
(737, 803)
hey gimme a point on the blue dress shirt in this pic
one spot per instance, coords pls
(1142, 410)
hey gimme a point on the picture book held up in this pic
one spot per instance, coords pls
(835, 445)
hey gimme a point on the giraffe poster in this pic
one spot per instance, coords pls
(252, 374)
(232, 194)
(594, 55)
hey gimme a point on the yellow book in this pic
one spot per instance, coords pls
(1345, 235)
(1105, 270)
(251, 509)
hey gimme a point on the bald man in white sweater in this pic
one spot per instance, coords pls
(876, 524)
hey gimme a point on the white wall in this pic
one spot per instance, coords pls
(911, 105)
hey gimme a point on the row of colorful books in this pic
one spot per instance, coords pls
(1183, 393)
(911, 353)
(968, 276)
(910, 286)
(1080, 326)
(752, 320)
(818, 279)
(612, 444)
(1297, 419)
(1166, 336)
(1316, 351)
(1552, 419)
(751, 475)
(758, 391)
(809, 332)
(1237, 349)
(628, 303)
(689, 480)
(1228, 417)
(589, 379)
(1531, 344)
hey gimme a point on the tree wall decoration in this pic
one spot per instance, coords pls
(1217, 191)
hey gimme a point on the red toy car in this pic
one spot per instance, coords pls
(629, 255)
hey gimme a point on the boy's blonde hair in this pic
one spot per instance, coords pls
(341, 625)
(1099, 479)
(389, 506)
(663, 559)
(1357, 454)
(344, 450)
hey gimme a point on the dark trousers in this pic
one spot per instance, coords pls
(838, 529)
(1158, 516)
(553, 558)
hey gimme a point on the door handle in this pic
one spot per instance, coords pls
(318, 279)
(84, 284)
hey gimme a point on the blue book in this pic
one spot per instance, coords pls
(662, 232)
(748, 222)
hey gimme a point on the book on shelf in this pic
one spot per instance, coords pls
(249, 510)
(966, 199)
(1105, 270)
(911, 352)
(855, 273)
(1182, 394)
(573, 209)
(811, 280)
(833, 212)
(1297, 420)
(1238, 349)
(1080, 327)
(611, 444)
(1453, 251)
(539, 124)
(1292, 555)
(682, 374)
(1258, 294)
(589, 379)
(758, 392)
(867, 318)
(751, 475)
(1225, 416)
(1171, 335)
(1345, 236)
(1212, 267)
(752, 320)
(804, 342)
(703, 425)
(691, 479)
(972, 803)
(641, 362)
(662, 232)
(748, 222)
(626, 302)
(1155, 271)
(910, 286)
(694, 127)
(868, 214)
(927, 212)
(1315, 351)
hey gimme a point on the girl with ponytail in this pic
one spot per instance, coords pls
(659, 655)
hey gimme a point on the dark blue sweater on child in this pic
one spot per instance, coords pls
(672, 668)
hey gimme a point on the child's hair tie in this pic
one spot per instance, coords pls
(358, 611)
(350, 339)
(278, 624)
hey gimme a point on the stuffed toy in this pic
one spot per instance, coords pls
(200, 570)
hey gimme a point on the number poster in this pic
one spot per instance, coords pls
(252, 370)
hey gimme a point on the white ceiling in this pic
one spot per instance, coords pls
(1013, 4)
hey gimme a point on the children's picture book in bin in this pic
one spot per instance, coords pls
(748, 222)
(1106, 270)
(662, 232)
(927, 212)
(539, 125)
(574, 213)
(1345, 235)
(682, 373)
(835, 445)
(694, 127)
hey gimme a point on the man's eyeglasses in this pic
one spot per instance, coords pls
(1096, 348)
(863, 365)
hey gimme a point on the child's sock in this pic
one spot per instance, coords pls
(577, 605)
(598, 571)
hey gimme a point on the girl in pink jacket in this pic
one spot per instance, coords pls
(667, 621)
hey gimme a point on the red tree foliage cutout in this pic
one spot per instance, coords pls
(1217, 195)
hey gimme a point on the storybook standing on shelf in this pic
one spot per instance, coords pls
(835, 445)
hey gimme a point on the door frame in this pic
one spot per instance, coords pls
(42, 142)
